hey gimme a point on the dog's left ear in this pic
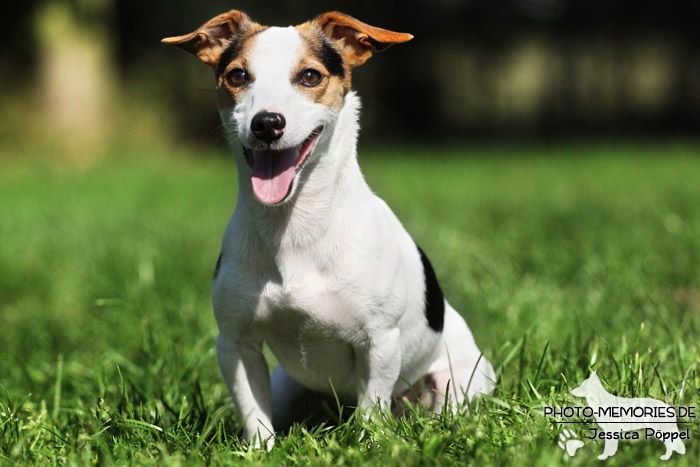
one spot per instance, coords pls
(210, 39)
(355, 39)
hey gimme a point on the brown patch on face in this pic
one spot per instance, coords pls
(221, 42)
(318, 54)
(236, 55)
(334, 93)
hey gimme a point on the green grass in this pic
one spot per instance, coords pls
(563, 259)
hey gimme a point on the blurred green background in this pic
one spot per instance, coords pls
(544, 153)
(81, 74)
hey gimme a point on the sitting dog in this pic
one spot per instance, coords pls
(312, 261)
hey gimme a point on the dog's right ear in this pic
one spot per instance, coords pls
(355, 39)
(210, 39)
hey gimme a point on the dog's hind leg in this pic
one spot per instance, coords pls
(461, 365)
(421, 393)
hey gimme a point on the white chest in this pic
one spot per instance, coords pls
(310, 326)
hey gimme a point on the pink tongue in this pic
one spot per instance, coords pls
(273, 174)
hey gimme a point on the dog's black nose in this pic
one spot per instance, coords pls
(268, 126)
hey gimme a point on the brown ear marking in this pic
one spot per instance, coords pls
(210, 39)
(356, 39)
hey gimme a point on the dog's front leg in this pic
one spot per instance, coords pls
(246, 374)
(378, 365)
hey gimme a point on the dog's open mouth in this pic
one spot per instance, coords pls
(274, 171)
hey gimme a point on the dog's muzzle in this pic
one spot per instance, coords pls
(273, 171)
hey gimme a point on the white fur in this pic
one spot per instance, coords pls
(329, 279)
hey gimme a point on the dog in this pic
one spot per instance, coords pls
(617, 415)
(312, 262)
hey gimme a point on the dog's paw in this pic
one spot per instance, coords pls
(569, 442)
(264, 444)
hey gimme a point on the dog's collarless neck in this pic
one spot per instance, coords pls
(326, 185)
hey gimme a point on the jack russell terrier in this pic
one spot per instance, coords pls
(314, 263)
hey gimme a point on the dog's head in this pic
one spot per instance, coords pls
(280, 89)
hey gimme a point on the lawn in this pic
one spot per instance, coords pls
(563, 258)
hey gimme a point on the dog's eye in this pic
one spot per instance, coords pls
(310, 77)
(237, 77)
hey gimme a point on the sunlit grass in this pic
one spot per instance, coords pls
(561, 258)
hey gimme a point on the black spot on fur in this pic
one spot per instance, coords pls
(218, 266)
(332, 60)
(434, 300)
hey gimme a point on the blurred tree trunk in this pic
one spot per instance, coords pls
(75, 76)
